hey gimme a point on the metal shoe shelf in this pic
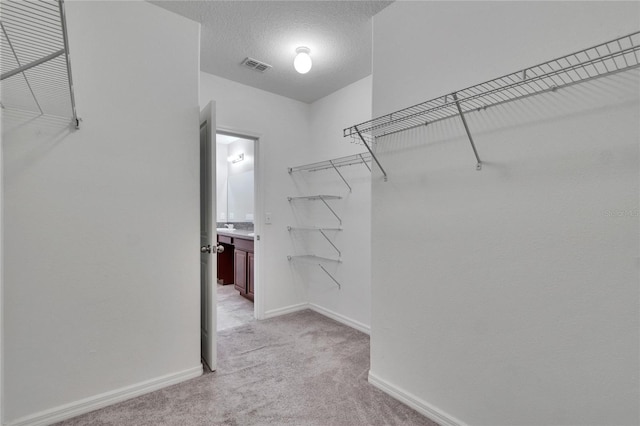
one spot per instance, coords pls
(322, 230)
(618, 55)
(318, 260)
(35, 61)
(335, 164)
(322, 198)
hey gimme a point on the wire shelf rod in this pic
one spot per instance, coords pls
(312, 228)
(348, 160)
(315, 197)
(312, 257)
(597, 61)
(30, 65)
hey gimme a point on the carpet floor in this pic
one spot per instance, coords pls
(296, 369)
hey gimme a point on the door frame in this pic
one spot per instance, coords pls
(258, 205)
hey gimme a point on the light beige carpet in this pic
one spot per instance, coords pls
(297, 369)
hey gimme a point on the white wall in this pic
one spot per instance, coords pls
(329, 116)
(101, 252)
(507, 296)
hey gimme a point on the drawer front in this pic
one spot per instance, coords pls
(225, 239)
(241, 244)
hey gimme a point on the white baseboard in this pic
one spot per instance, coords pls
(86, 405)
(319, 309)
(414, 402)
(340, 318)
(286, 310)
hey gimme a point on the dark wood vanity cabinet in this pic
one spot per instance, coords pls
(225, 260)
(243, 267)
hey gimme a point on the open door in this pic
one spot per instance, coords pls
(208, 239)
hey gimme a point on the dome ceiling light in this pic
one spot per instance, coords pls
(302, 62)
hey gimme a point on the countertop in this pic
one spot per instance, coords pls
(238, 233)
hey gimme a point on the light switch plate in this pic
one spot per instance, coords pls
(267, 218)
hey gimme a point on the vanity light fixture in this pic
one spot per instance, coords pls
(302, 62)
(236, 158)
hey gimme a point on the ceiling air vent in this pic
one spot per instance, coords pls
(254, 64)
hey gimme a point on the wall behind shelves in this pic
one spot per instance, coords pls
(515, 297)
(329, 116)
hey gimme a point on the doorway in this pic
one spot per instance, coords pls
(209, 225)
(236, 197)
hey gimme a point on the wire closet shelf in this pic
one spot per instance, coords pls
(35, 63)
(335, 164)
(620, 54)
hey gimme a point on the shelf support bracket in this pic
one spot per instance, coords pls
(330, 209)
(330, 276)
(371, 152)
(330, 242)
(340, 174)
(364, 162)
(466, 128)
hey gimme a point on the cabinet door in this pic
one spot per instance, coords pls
(225, 263)
(240, 271)
(250, 273)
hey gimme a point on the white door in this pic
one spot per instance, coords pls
(208, 238)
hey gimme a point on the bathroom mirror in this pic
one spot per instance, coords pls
(235, 179)
(240, 197)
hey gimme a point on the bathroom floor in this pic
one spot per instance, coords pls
(233, 309)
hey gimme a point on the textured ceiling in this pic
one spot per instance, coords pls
(337, 32)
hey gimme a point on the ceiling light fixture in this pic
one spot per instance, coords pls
(236, 158)
(302, 62)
